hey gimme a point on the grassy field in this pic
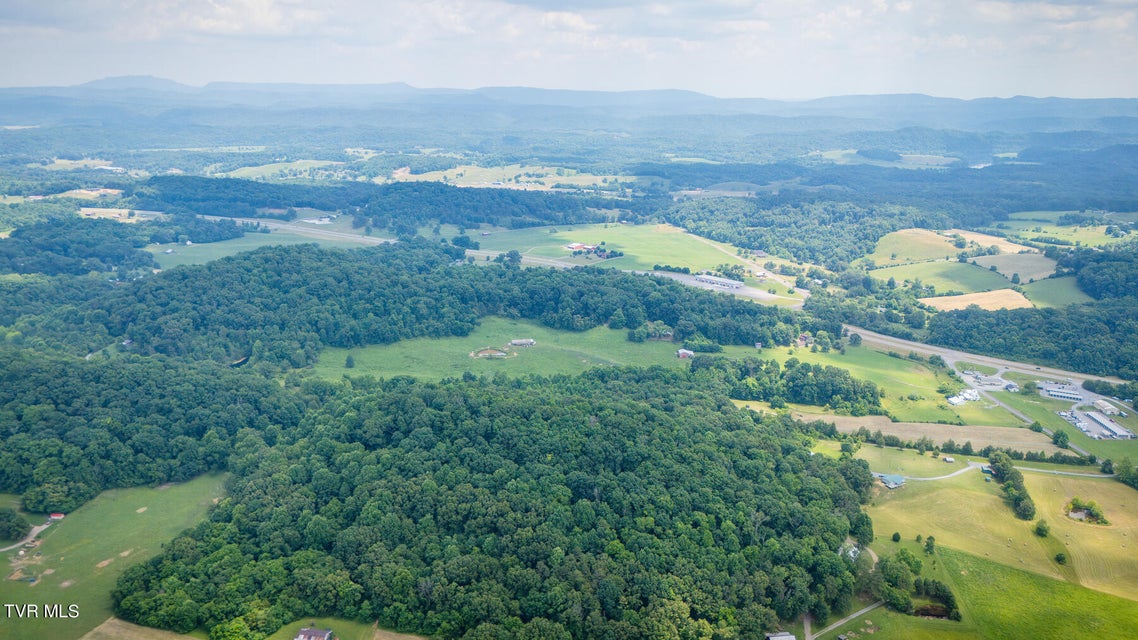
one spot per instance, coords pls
(115, 629)
(907, 462)
(1001, 603)
(1055, 292)
(1042, 224)
(1029, 266)
(911, 245)
(979, 435)
(279, 170)
(946, 276)
(987, 240)
(202, 253)
(83, 555)
(972, 366)
(555, 352)
(514, 175)
(643, 245)
(997, 299)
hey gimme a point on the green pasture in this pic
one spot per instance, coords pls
(84, 554)
(643, 245)
(202, 253)
(988, 413)
(911, 245)
(537, 176)
(1042, 224)
(1029, 266)
(555, 352)
(946, 276)
(294, 169)
(1055, 292)
(906, 462)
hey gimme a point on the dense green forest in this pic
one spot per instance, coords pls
(77, 246)
(280, 305)
(618, 504)
(70, 428)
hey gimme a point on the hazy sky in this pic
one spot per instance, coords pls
(729, 48)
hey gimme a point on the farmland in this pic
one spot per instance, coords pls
(980, 436)
(83, 555)
(1055, 292)
(1028, 266)
(1030, 225)
(281, 170)
(202, 253)
(996, 299)
(946, 276)
(514, 175)
(911, 245)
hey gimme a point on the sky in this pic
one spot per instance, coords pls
(782, 49)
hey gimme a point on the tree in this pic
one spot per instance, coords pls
(896, 536)
(1061, 558)
(1061, 439)
(930, 545)
(1042, 528)
(13, 526)
(349, 362)
(855, 339)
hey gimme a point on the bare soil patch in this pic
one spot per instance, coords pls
(105, 563)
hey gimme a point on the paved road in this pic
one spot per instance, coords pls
(28, 538)
(846, 619)
(953, 356)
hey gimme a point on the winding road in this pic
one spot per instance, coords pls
(28, 538)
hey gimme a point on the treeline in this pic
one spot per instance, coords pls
(925, 443)
(1012, 484)
(1101, 338)
(70, 428)
(1102, 274)
(620, 503)
(402, 207)
(828, 233)
(795, 381)
(280, 305)
(78, 246)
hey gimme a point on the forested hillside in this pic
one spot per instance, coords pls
(622, 503)
(280, 305)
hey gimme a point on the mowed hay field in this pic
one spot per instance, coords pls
(979, 436)
(911, 245)
(998, 299)
(986, 240)
(1102, 556)
(1055, 292)
(1029, 266)
(946, 276)
(85, 553)
(643, 245)
(203, 253)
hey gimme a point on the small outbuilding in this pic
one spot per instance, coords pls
(308, 633)
(684, 354)
(523, 342)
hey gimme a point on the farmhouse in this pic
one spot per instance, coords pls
(719, 282)
(308, 633)
(889, 480)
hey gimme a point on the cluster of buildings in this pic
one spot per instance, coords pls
(726, 283)
(968, 395)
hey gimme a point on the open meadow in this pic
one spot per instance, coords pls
(946, 276)
(1055, 292)
(513, 175)
(911, 245)
(554, 352)
(991, 300)
(1028, 266)
(643, 245)
(81, 557)
(280, 170)
(202, 253)
(1030, 225)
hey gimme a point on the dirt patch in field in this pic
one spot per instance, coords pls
(141, 510)
(991, 300)
(48, 572)
(66, 583)
(115, 629)
(105, 562)
(126, 553)
(382, 634)
(979, 436)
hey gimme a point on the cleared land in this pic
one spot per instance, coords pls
(83, 555)
(115, 629)
(555, 352)
(986, 240)
(1030, 225)
(202, 253)
(1043, 410)
(946, 276)
(1029, 266)
(643, 245)
(998, 299)
(510, 176)
(1055, 292)
(280, 170)
(979, 436)
(909, 463)
(911, 245)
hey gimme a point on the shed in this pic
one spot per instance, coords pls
(684, 353)
(523, 342)
(308, 633)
